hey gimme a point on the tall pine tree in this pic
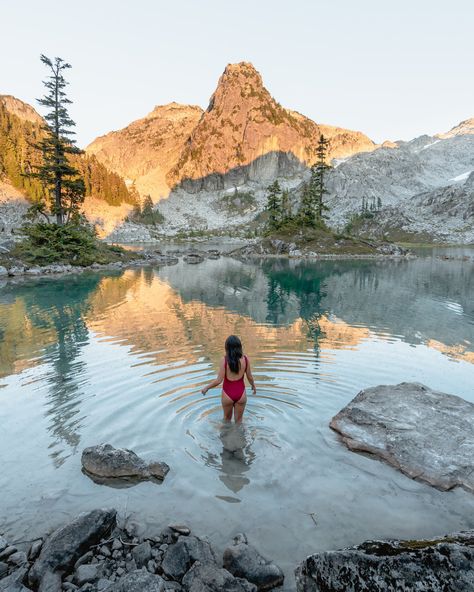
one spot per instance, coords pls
(312, 206)
(66, 187)
(274, 206)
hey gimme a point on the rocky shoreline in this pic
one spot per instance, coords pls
(93, 553)
(155, 257)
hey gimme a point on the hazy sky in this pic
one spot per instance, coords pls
(393, 69)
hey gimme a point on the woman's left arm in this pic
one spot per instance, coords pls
(218, 380)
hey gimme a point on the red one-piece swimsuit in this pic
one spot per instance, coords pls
(234, 389)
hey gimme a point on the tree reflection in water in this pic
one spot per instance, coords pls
(60, 308)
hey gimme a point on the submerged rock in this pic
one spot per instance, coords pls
(193, 258)
(64, 547)
(426, 434)
(106, 461)
(244, 561)
(440, 565)
(211, 578)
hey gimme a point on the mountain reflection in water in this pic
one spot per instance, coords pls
(122, 357)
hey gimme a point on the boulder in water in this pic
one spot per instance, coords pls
(426, 434)
(105, 461)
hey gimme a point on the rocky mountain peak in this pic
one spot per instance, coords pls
(463, 128)
(20, 109)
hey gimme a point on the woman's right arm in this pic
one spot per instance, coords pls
(250, 378)
(218, 380)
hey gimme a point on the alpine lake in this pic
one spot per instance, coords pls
(121, 357)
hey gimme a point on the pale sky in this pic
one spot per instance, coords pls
(394, 69)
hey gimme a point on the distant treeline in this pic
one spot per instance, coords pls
(19, 157)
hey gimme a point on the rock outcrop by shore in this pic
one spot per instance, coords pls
(426, 434)
(444, 564)
(92, 554)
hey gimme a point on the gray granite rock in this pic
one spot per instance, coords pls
(14, 582)
(440, 565)
(211, 578)
(426, 434)
(138, 581)
(66, 544)
(18, 558)
(87, 573)
(142, 554)
(244, 561)
(106, 461)
(184, 553)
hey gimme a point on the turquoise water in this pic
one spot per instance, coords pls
(121, 358)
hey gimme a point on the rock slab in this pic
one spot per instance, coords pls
(244, 561)
(65, 545)
(426, 434)
(108, 462)
(440, 565)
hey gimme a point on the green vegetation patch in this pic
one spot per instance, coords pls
(74, 244)
(238, 202)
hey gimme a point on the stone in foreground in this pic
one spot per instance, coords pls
(440, 565)
(138, 580)
(426, 434)
(108, 462)
(244, 561)
(184, 553)
(211, 578)
(64, 547)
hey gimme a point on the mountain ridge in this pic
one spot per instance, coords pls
(242, 123)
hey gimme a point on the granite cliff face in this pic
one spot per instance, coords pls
(243, 136)
(144, 152)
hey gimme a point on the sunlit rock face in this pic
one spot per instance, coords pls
(244, 133)
(20, 109)
(148, 148)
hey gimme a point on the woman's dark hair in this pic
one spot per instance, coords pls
(233, 349)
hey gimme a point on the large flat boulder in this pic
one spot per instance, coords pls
(244, 561)
(65, 545)
(426, 434)
(441, 565)
(108, 462)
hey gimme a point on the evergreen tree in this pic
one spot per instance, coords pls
(318, 172)
(379, 204)
(286, 213)
(274, 205)
(312, 205)
(147, 207)
(67, 189)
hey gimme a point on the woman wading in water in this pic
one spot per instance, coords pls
(234, 366)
